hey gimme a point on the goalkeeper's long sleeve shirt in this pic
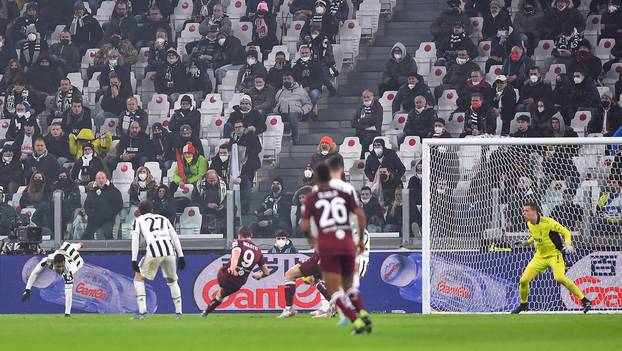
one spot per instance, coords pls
(541, 233)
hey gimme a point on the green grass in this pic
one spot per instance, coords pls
(266, 332)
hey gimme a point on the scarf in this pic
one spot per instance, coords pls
(456, 39)
(75, 23)
(261, 27)
(128, 118)
(38, 158)
(11, 101)
(334, 7)
(84, 175)
(63, 100)
(36, 51)
(474, 118)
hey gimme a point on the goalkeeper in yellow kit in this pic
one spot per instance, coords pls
(546, 234)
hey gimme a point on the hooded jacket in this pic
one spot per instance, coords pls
(399, 70)
(531, 24)
(162, 145)
(194, 171)
(103, 205)
(83, 173)
(101, 145)
(171, 78)
(389, 158)
(73, 124)
(541, 121)
(405, 97)
(318, 157)
(85, 30)
(294, 99)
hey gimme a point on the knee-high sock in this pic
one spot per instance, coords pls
(523, 290)
(290, 291)
(141, 296)
(356, 280)
(68, 298)
(343, 303)
(214, 303)
(321, 287)
(175, 295)
(355, 297)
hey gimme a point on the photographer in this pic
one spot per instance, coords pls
(7, 214)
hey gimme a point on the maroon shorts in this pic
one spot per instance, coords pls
(311, 267)
(228, 283)
(340, 263)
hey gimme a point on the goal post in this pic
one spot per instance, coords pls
(473, 192)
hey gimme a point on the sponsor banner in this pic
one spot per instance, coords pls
(104, 285)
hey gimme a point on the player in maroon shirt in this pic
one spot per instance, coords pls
(244, 256)
(329, 211)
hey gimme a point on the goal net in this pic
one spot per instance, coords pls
(474, 190)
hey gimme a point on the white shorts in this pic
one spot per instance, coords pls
(149, 267)
(362, 261)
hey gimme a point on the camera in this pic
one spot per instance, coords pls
(23, 239)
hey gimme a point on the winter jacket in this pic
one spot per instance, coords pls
(46, 163)
(62, 100)
(88, 31)
(222, 168)
(126, 118)
(84, 174)
(368, 118)
(201, 192)
(614, 120)
(519, 68)
(137, 145)
(223, 23)
(231, 53)
(529, 24)
(484, 119)
(114, 104)
(127, 26)
(263, 100)
(150, 188)
(275, 75)
(405, 98)
(86, 135)
(506, 101)
(529, 133)
(287, 249)
(493, 24)
(538, 90)
(399, 70)
(420, 123)
(103, 205)
(294, 99)
(123, 72)
(247, 74)
(148, 31)
(250, 141)
(585, 94)
(12, 171)
(58, 147)
(194, 171)
(591, 64)
(171, 79)
(73, 124)
(457, 75)
(466, 90)
(554, 20)
(443, 25)
(308, 74)
(44, 79)
(180, 117)
(251, 119)
(389, 158)
(280, 205)
(68, 54)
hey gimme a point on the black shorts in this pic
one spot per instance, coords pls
(228, 283)
(340, 264)
(311, 267)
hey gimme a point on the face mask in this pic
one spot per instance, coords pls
(188, 158)
(308, 173)
(194, 71)
(324, 152)
(172, 61)
(475, 81)
(561, 6)
(534, 78)
(419, 109)
(259, 87)
(529, 10)
(378, 151)
(221, 41)
(64, 41)
(476, 105)
(438, 130)
(112, 62)
(280, 243)
(411, 86)
(540, 109)
(367, 103)
(32, 37)
(38, 181)
(142, 176)
(612, 8)
(441, 191)
(365, 200)
(314, 35)
(494, 13)
(578, 80)
(397, 56)
(384, 177)
(20, 114)
(7, 159)
(251, 61)
(515, 57)
(461, 61)
(223, 158)
(287, 85)
(320, 10)
(276, 189)
(305, 59)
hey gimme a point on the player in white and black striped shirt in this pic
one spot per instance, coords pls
(162, 247)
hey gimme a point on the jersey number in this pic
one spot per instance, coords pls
(333, 212)
(247, 259)
(152, 227)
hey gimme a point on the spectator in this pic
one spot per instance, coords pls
(557, 165)
(144, 186)
(38, 195)
(458, 39)
(41, 161)
(113, 102)
(301, 9)
(542, 112)
(611, 20)
(231, 56)
(516, 67)
(199, 82)
(30, 19)
(415, 185)
(275, 75)
(298, 201)
(442, 26)
(439, 130)
(248, 72)
(11, 169)
(561, 130)
(264, 27)
(535, 88)
(133, 147)
(18, 123)
(220, 163)
(367, 121)
(87, 166)
(118, 43)
(325, 150)
(158, 50)
(562, 14)
(520, 194)
(71, 199)
(373, 211)
(55, 12)
(420, 121)
(219, 19)
(282, 245)
(171, 77)
(274, 212)
(561, 93)
(322, 52)
(77, 117)
(115, 65)
(86, 136)
(385, 157)
(164, 204)
(141, 9)
(186, 114)
(189, 169)
(65, 54)
(387, 183)
(32, 48)
(504, 102)
(210, 195)
(44, 75)
(583, 96)
(86, 30)
(568, 214)
(480, 118)
(17, 94)
(457, 74)
(145, 36)
(12, 74)
(248, 139)
(262, 96)
(495, 20)
(26, 137)
(161, 147)
(252, 120)
(308, 74)
(566, 46)
(205, 51)
(607, 220)
(477, 84)
(122, 22)
(405, 98)
(7, 51)
(397, 69)
(292, 102)
(528, 23)
(608, 119)
(524, 130)
(132, 113)
(62, 100)
(393, 220)
(57, 143)
(586, 61)
(307, 177)
(187, 136)
(103, 203)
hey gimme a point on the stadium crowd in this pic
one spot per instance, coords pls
(87, 142)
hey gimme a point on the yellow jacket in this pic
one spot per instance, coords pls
(101, 145)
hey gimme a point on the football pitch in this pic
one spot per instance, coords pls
(266, 332)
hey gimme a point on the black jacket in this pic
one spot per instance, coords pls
(231, 52)
(389, 159)
(103, 205)
(614, 120)
(126, 118)
(493, 24)
(114, 105)
(181, 117)
(251, 119)
(405, 97)
(308, 74)
(585, 94)
(420, 124)
(162, 146)
(175, 74)
(138, 145)
(529, 133)
(89, 33)
(88, 172)
(281, 206)
(253, 148)
(47, 163)
(222, 168)
(11, 172)
(506, 102)
(368, 117)
(275, 76)
(74, 126)
(484, 119)
(539, 90)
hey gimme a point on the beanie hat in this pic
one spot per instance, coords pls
(186, 98)
(189, 148)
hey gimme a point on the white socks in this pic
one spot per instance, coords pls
(68, 298)
(176, 295)
(141, 296)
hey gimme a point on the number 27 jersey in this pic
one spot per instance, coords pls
(329, 211)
